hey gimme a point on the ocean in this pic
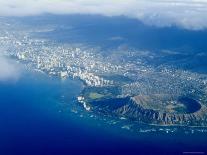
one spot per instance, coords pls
(39, 116)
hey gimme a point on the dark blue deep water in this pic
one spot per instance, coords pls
(39, 114)
(36, 119)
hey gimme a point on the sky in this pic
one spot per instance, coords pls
(187, 14)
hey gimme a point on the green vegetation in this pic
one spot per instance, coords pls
(94, 95)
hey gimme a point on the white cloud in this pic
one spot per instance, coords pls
(9, 70)
(189, 14)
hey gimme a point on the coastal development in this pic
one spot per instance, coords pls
(121, 82)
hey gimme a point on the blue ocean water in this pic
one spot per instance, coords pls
(36, 119)
(39, 114)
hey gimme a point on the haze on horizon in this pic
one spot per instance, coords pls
(187, 14)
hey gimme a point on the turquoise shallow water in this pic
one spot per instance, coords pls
(39, 115)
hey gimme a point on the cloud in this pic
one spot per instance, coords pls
(9, 70)
(188, 14)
